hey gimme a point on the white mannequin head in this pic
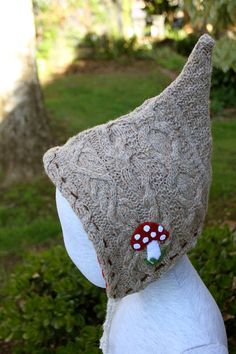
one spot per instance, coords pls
(178, 303)
(77, 243)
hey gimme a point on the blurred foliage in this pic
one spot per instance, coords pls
(48, 306)
(96, 29)
(221, 16)
(103, 47)
(93, 46)
(173, 33)
(225, 54)
(48, 19)
(76, 18)
(157, 7)
(185, 45)
(59, 25)
(215, 260)
(223, 90)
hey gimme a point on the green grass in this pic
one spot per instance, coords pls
(27, 217)
(222, 204)
(27, 220)
(169, 59)
(77, 102)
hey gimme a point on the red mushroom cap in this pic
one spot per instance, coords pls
(147, 232)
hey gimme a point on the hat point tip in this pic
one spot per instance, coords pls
(207, 40)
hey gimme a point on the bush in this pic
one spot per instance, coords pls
(93, 46)
(49, 307)
(223, 90)
(214, 259)
(185, 45)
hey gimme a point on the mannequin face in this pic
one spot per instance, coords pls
(77, 243)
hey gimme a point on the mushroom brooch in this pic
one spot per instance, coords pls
(152, 236)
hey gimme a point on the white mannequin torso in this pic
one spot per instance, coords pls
(175, 314)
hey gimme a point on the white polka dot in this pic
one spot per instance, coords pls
(137, 237)
(145, 240)
(162, 237)
(160, 228)
(146, 228)
(153, 234)
(136, 246)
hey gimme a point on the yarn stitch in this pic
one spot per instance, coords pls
(151, 164)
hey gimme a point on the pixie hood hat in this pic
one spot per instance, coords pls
(140, 183)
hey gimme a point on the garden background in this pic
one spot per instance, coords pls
(97, 60)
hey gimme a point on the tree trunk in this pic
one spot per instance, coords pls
(24, 128)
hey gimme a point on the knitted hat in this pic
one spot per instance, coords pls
(140, 183)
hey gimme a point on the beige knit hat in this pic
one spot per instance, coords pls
(140, 183)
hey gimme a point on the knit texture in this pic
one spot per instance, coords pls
(151, 165)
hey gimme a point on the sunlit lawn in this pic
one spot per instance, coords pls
(81, 101)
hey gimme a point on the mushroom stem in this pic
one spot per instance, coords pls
(153, 250)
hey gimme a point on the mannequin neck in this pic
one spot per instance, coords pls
(171, 315)
(182, 275)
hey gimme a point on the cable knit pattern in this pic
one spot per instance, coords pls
(152, 164)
